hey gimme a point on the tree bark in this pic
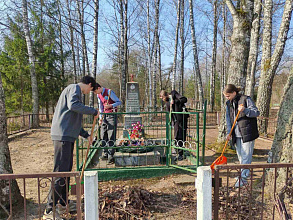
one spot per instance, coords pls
(214, 57)
(72, 41)
(222, 125)
(95, 49)
(195, 56)
(281, 151)
(5, 160)
(182, 56)
(174, 67)
(271, 63)
(126, 41)
(160, 63)
(34, 82)
(223, 75)
(240, 41)
(156, 42)
(149, 55)
(123, 50)
(85, 62)
(253, 51)
(61, 45)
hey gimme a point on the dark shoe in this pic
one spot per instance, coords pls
(111, 160)
(104, 157)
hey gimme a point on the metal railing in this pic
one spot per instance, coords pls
(261, 196)
(34, 199)
(17, 124)
(154, 147)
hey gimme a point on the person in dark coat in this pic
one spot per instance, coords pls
(245, 131)
(179, 121)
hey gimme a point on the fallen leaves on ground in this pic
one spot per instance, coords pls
(122, 202)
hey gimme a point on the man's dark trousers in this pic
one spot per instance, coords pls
(108, 133)
(63, 161)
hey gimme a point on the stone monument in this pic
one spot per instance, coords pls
(132, 106)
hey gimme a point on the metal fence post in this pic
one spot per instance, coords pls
(204, 193)
(91, 196)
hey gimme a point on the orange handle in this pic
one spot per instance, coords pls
(88, 148)
(230, 132)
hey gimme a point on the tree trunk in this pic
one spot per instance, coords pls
(253, 53)
(95, 50)
(126, 41)
(156, 42)
(182, 39)
(5, 160)
(240, 41)
(222, 125)
(61, 45)
(271, 63)
(281, 151)
(78, 55)
(72, 42)
(85, 62)
(214, 57)
(123, 50)
(160, 63)
(34, 82)
(223, 75)
(174, 67)
(195, 57)
(149, 55)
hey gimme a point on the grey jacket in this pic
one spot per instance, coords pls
(66, 124)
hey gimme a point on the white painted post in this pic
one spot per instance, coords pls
(203, 185)
(91, 197)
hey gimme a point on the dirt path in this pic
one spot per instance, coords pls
(33, 153)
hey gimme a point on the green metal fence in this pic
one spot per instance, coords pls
(151, 151)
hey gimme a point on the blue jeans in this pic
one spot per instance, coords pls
(244, 153)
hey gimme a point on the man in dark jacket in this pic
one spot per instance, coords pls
(177, 103)
(66, 127)
(245, 131)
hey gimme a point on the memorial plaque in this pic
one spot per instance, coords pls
(132, 105)
(132, 97)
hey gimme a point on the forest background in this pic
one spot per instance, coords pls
(166, 44)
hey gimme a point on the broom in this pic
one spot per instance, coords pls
(89, 144)
(222, 159)
(92, 132)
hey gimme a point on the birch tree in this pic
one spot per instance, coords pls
(182, 57)
(34, 82)
(240, 41)
(270, 63)
(5, 161)
(156, 46)
(61, 44)
(71, 41)
(253, 50)
(95, 48)
(214, 57)
(149, 54)
(123, 49)
(281, 150)
(222, 125)
(85, 62)
(195, 57)
(174, 66)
